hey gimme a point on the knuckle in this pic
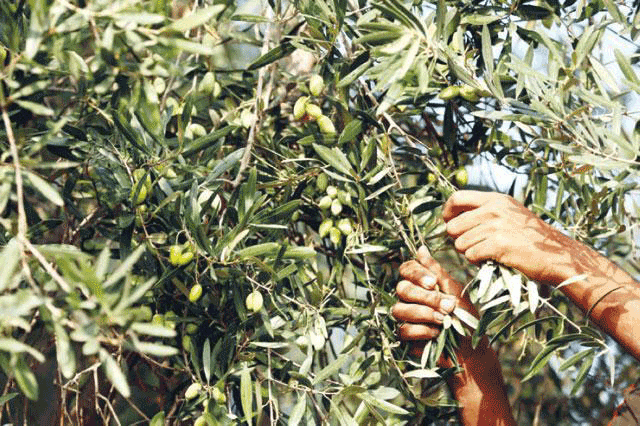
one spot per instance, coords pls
(433, 299)
(406, 268)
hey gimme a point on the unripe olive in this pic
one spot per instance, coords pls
(142, 195)
(299, 108)
(254, 301)
(172, 104)
(157, 319)
(325, 227)
(527, 119)
(326, 125)
(191, 328)
(332, 191)
(313, 110)
(462, 177)
(325, 202)
(207, 83)
(218, 396)
(335, 236)
(469, 93)
(247, 118)
(180, 254)
(193, 390)
(431, 178)
(197, 130)
(217, 90)
(449, 93)
(170, 318)
(195, 293)
(159, 85)
(336, 207)
(169, 173)
(200, 421)
(344, 225)
(316, 84)
(186, 343)
(322, 182)
(138, 174)
(344, 197)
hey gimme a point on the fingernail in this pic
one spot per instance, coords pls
(427, 281)
(447, 304)
(438, 316)
(424, 251)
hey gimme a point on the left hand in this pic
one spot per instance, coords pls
(422, 307)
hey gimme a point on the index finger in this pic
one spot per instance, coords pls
(462, 201)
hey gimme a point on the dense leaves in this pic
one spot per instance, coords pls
(173, 213)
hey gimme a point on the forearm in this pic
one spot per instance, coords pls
(479, 388)
(610, 294)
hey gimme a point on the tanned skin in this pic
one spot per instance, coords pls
(492, 226)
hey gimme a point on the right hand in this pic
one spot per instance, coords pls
(493, 226)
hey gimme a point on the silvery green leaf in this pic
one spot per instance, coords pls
(466, 317)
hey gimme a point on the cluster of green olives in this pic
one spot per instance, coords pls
(213, 393)
(305, 109)
(140, 191)
(465, 91)
(333, 203)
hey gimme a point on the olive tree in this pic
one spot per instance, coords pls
(204, 204)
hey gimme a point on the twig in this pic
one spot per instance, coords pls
(22, 217)
(46, 265)
(258, 108)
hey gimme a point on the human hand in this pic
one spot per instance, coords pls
(423, 307)
(479, 383)
(493, 226)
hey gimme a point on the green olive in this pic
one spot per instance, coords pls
(332, 191)
(195, 293)
(142, 195)
(316, 85)
(344, 197)
(345, 226)
(157, 319)
(335, 236)
(469, 93)
(200, 421)
(197, 130)
(449, 93)
(254, 301)
(313, 110)
(322, 182)
(218, 395)
(159, 85)
(336, 207)
(207, 83)
(193, 390)
(325, 202)
(462, 177)
(325, 227)
(181, 254)
(299, 108)
(186, 343)
(326, 125)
